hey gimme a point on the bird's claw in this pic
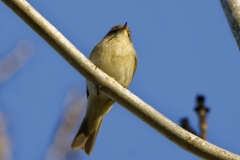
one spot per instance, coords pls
(98, 87)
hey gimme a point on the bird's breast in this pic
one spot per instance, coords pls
(116, 59)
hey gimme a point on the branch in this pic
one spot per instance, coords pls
(5, 147)
(232, 13)
(59, 148)
(202, 112)
(16, 59)
(114, 90)
(184, 123)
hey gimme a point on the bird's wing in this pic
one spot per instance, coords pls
(136, 63)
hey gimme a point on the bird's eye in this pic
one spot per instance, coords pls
(114, 31)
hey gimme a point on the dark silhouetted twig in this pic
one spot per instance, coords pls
(202, 111)
(184, 123)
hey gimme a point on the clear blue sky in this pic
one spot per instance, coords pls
(184, 48)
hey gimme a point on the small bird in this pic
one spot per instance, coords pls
(115, 56)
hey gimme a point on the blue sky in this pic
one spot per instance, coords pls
(184, 48)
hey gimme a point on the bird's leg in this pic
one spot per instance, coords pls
(98, 87)
(124, 86)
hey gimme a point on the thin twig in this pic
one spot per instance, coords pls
(202, 112)
(114, 90)
(184, 123)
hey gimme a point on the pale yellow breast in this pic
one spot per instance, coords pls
(116, 58)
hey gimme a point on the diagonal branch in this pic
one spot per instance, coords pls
(231, 10)
(121, 95)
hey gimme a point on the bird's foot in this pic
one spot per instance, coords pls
(96, 67)
(98, 87)
(124, 86)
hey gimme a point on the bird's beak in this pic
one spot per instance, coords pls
(125, 26)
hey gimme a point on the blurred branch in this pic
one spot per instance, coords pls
(16, 59)
(5, 153)
(60, 148)
(114, 90)
(9, 65)
(202, 111)
(232, 13)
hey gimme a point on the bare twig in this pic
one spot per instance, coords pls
(202, 111)
(115, 91)
(232, 12)
(184, 123)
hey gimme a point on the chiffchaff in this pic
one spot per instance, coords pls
(115, 56)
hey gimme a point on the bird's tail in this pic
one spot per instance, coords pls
(84, 139)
